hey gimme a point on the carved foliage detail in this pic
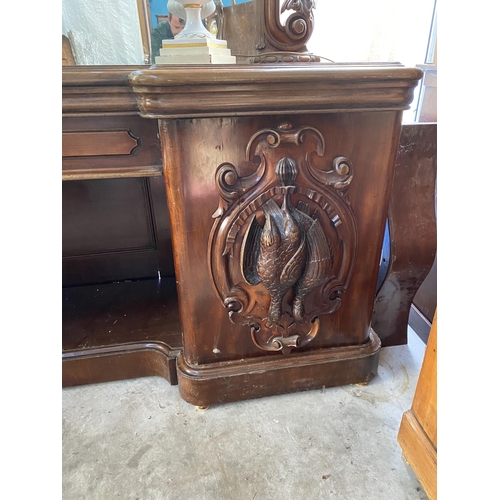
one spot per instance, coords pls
(283, 242)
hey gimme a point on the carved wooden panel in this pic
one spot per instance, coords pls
(283, 243)
(221, 188)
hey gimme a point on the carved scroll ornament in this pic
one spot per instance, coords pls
(283, 242)
(298, 27)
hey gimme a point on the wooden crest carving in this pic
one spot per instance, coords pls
(283, 243)
(298, 27)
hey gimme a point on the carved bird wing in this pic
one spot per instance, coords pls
(250, 252)
(293, 268)
(319, 260)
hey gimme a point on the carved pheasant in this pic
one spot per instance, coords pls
(282, 254)
(291, 249)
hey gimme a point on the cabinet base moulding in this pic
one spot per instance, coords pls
(119, 362)
(225, 382)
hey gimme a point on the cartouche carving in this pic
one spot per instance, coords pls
(283, 243)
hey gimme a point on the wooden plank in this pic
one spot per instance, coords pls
(418, 431)
(424, 405)
(419, 452)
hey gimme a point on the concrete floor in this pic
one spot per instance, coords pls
(137, 439)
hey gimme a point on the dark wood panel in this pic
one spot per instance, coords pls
(412, 228)
(110, 146)
(103, 268)
(110, 215)
(115, 230)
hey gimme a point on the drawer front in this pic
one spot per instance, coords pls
(110, 147)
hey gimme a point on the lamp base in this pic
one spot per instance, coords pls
(195, 51)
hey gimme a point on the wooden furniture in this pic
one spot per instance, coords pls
(418, 432)
(278, 179)
(278, 184)
(119, 319)
(412, 230)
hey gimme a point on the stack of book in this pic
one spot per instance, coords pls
(195, 51)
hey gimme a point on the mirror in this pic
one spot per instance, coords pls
(120, 32)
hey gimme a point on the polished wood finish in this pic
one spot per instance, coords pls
(98, 91)
(100, 147)
(120, 330)
(412, 228)
(319, 143)
(418, 431)
(242, 90)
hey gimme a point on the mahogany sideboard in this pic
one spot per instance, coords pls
(278, 182)
(240, 146)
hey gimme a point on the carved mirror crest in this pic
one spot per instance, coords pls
(283, 242)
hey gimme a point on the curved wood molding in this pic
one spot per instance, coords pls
(119, 362)
(225, 382)
(252, 90)
(90, 90)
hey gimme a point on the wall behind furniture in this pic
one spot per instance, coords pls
(103, 32)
